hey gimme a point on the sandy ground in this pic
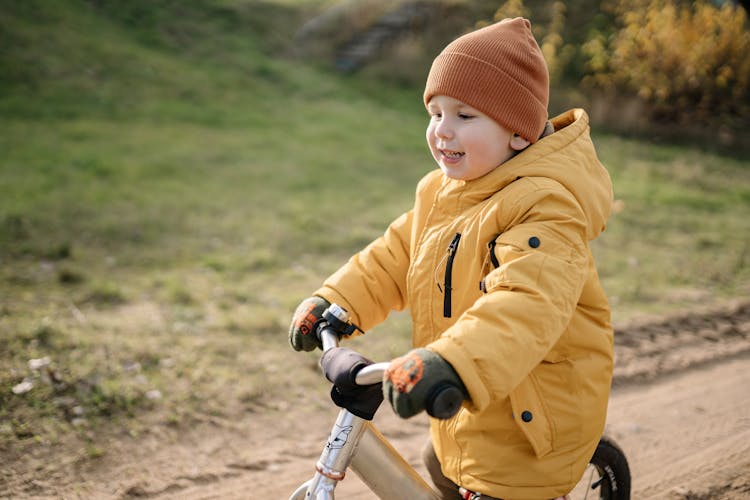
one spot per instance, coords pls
(680, 409)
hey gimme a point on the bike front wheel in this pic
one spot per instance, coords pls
(607, 476)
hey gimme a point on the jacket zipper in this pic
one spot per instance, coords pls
(493, 259)
(448, 283)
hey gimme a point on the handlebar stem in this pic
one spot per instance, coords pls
(328, 337)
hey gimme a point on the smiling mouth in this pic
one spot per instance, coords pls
(452, 155)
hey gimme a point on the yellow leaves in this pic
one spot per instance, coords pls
(724, 76)
(684, 61)
(552, 42)
(687, 61)
(511, 8)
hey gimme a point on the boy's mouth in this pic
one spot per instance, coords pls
(452, 155)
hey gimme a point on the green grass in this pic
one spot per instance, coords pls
(165, 204)
(171, 186)
(681, 237)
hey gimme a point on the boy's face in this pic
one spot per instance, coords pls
(466, 143)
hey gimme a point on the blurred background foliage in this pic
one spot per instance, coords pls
(687, 63)
(671, 68)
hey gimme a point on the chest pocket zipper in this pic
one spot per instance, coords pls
(448, 282)
(493, 259)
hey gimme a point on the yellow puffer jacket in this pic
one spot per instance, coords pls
(500, 280)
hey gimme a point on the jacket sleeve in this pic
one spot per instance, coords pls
(530, 297)
(373, 281)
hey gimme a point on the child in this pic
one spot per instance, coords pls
(494, 264)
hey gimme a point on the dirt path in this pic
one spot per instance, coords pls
(680, 409)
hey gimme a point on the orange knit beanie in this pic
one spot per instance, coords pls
(498, 70)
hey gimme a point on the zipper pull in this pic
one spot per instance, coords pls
(492, 258)
(453, 245)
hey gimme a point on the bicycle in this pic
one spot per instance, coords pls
(354, 443)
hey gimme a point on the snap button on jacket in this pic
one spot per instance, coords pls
(527, 326)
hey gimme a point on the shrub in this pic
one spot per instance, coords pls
(687, 63)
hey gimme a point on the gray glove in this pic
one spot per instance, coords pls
(341, 366)
(309, 313)
(423, 380)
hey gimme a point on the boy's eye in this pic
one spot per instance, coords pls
(465, 116)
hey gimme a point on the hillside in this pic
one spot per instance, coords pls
(172, 182)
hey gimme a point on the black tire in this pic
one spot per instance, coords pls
(611, 466)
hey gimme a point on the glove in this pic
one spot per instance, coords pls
(414, 382)
(309, 313)
(341, 366)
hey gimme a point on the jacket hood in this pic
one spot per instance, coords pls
(567, 156)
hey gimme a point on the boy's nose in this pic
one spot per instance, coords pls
(443, 130)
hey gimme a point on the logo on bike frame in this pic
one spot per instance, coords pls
(339, 437)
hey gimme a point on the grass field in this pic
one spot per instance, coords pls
(170, 188)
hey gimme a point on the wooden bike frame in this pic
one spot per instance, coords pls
(356, 444)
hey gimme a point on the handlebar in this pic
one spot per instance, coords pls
(444, 401)
(372, 374)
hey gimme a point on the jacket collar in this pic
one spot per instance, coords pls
(567, 155)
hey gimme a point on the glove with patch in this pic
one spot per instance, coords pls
(309, 313)
(423, 380)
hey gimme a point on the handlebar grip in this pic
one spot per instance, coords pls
(445, 401)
